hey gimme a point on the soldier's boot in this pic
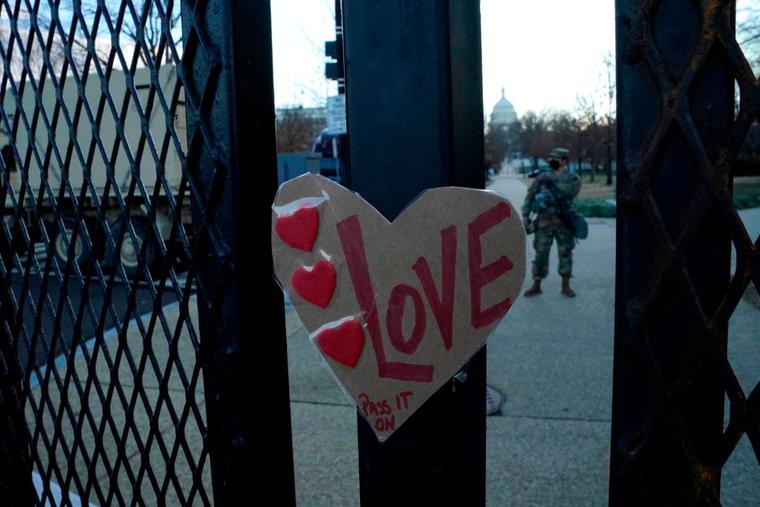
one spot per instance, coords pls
(566, 290)
(535, 289)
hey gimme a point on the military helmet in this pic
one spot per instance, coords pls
(559, 154)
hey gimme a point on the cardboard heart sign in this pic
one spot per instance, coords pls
(396, 309)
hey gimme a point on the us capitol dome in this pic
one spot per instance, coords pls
(503, 112)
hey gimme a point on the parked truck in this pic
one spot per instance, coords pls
(102, 177)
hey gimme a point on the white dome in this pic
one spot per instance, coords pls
(503, 112)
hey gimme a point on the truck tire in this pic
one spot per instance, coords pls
(61, 246)
(129, 252)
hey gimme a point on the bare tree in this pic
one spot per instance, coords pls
(496, 143)
(24, 42)
(585, 132)
(151, 19)
(594, 130)
(530, 136)
(142, 27)
(748, 31)
(297, 128)
(147, 25)
(24, 52)
(51, 38)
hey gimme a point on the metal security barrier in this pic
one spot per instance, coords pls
(122, 369)
(138, 159)
(680, 134)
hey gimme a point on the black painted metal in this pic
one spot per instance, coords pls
(245, 353)
(678, 138)
(414, 99)
(16, 485)
(105, 367)
(344, 172)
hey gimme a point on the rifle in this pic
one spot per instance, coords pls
(572, 220)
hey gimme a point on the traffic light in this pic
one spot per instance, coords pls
(331, 49)
(332, 71)
(336, 104)
(334, 54)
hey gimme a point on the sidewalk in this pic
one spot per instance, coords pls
(553, 357)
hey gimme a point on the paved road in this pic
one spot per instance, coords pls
(82, 309)
(553, 358)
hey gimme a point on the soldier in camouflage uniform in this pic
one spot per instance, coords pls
(547, 224)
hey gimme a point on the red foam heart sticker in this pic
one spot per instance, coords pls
(300, 229)
(315, 285)
(343, 343)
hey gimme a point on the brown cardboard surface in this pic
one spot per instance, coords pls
(396, 308)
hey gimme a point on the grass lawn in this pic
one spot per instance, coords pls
(747, 185)
(743, 185)
(592, 200)
(599, 189)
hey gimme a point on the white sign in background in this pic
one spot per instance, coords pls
(336, 115)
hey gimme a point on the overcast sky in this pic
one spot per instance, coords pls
(543, 52)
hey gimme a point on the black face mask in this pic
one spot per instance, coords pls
(554, 164)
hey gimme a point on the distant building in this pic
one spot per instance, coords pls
(503, 112)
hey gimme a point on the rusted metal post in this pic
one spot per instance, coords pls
(677, 139)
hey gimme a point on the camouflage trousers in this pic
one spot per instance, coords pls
(545, 236)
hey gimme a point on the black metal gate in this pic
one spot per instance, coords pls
(123, 376)
(679, 68)
(137, 137)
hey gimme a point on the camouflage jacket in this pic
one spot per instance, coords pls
(541, 200)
